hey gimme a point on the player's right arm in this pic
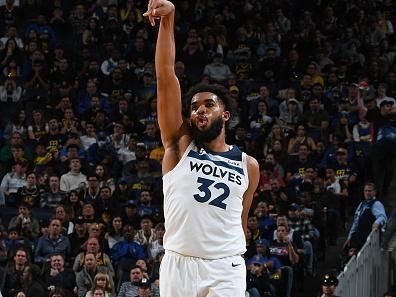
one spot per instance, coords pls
(174, 131)
(169, 100)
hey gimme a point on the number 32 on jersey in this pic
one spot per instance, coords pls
(206, 193)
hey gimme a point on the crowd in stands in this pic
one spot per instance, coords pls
(312, 84)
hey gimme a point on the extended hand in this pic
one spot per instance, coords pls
(157, 9)
(346, 244)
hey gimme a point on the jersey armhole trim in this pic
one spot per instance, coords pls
(190, 146)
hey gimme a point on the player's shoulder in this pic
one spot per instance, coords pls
(252, 162)
(253, 170)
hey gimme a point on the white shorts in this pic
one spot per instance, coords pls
(182, 276)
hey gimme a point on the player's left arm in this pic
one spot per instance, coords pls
(254, 176)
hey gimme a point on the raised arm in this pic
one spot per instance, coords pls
(168, 89)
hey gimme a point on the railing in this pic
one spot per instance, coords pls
(373, 271)
(361, 274)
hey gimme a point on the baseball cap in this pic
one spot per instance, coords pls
(262, 242)
(141, 145)
(386, 101)
(122, 181)
(130, 203)
(257, 259)
(233, 89)
(294, 206)
(329, 280)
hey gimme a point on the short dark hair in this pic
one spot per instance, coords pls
(159, 226)
(370, 184)
(136, 267)
(56, 254)
(146, 217)
(52, 117)
(72, 146)
(105, 187)
(218, 90)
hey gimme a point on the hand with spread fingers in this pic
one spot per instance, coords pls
(157, 9)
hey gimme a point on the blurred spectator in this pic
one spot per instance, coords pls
(63, 217)
(31, 191)
(101, 281)
(284, 250)
(102, 259)
(25, 222)
(329, 284)
(264, 269)
(369, 215)
(53, 196)
(33, 286)
(78, 237)
(105, 204)
(11, 182)
(115, 233)
(128, 249)
(58, 275)
(74, 179)
(130, 214)
(51, 243)
(217, 71)
(131, 288)
(157, 246)
(85, 278)
(266, 222)
(14, 270)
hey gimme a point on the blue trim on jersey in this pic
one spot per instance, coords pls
(234, 154)
(205, 157)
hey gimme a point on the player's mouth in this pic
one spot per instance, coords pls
(202, 122)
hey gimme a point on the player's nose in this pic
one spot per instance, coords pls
(201, 109)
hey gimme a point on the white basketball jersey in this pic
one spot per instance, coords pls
(203, 198)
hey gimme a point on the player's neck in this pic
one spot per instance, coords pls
(218, 145)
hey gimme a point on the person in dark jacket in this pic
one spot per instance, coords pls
(58, 276)
(369, 215)
(14, 271)
(33, 286)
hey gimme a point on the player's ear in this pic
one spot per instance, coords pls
(226, 115)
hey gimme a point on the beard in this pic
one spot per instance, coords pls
(207, 135)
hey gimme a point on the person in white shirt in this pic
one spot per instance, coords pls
(74, 179)
(217, 70)
(157, 246)
(381, 91)
(127, 154)
(11, 182)
(89, 138)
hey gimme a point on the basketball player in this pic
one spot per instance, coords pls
(208, 185)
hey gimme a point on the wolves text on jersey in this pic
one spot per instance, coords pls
(216, 171)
